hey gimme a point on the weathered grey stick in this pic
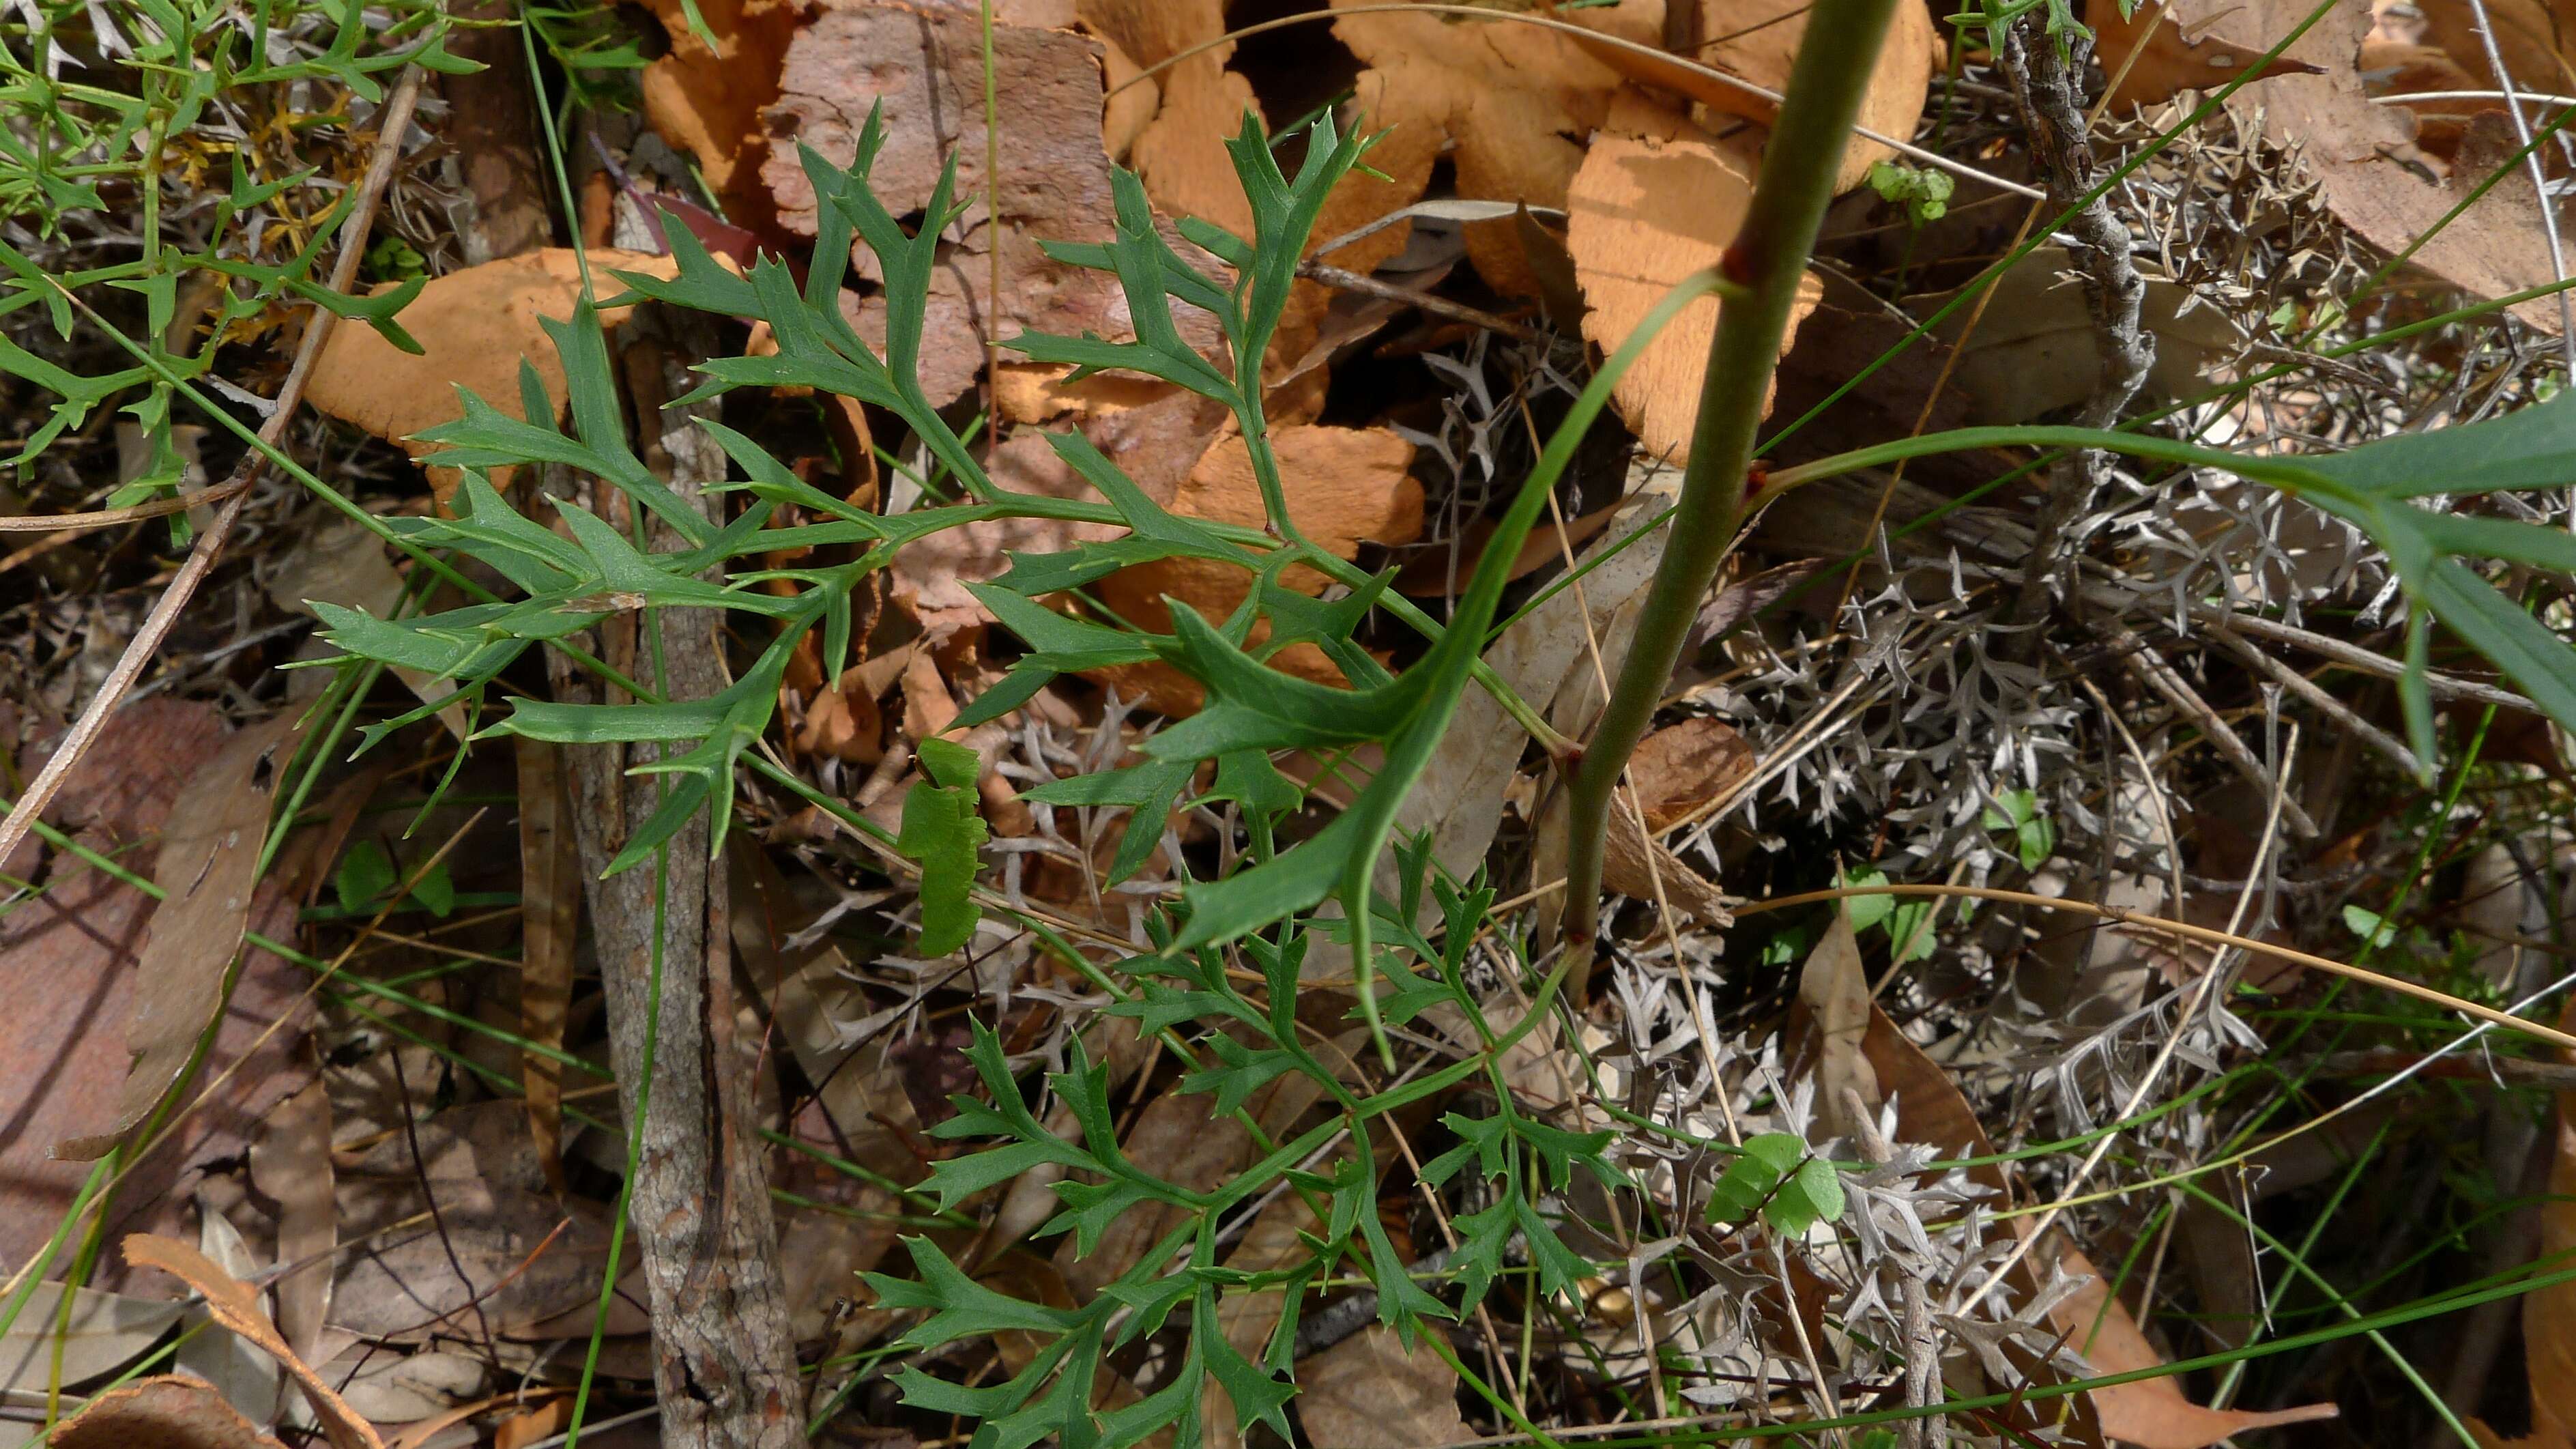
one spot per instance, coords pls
(724, 1354)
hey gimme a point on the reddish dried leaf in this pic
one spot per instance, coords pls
(171, 1411)
(209, 869)
(67, 962)
(235, 1306)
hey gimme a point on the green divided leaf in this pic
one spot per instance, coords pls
(942, 832)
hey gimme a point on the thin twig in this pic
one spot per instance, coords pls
(393, 121)
(2043, 68)
(2151, 668)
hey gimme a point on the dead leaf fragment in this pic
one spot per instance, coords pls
(1344, 487)
(1180, 154)
(1514, 102)
(1683, 766)
(1834, 987)
(707, 99)
(1657, 200)
(1370, 1392)
(208, 867)
(2369, 171)
(235, 1306)
(171, 1411)
(2151, 1413)
(291, 1163)
(102, 1333)
(2032, 351)
(67, 963)
(474, 327)
(1758, 40)
(2181, 52)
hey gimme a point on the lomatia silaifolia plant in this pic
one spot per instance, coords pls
(1265, 910)
(1408, 931)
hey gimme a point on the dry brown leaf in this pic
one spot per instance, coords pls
(1758, 40)
(708, 100)
(2368, 170)
(235, 1306)
(1175, 1139)
(930, 577)
(1344, 486)
(1515, 101)
(2032, 351)
(1635, 863)
(1441, 571)
(2181, 54)
(1370, 1392)
(209, 868)
(2527, 36)
(291, 1163)
(2549, 1312)
(2393, 68)
(1657, 200)
(502, 1252)
(2151, 1413)
(1834, 987)
(1180, 154)
(67, 961)
(474, 326)
(549, 917)
(1683, 766)
(171, 1411)
(103, 1332)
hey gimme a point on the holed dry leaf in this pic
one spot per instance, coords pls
(1370, 1392)
(171, 1411)
(235, 1306)
(209, 868)
(1657, 200)
(1515, 103)
(474, 326)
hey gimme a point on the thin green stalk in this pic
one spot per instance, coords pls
(1768, 259)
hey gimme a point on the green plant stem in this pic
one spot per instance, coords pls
(1768, 258)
